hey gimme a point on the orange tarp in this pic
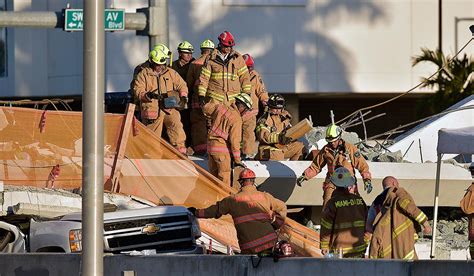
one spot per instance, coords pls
(34, 142)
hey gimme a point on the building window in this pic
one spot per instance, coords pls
(3, 45)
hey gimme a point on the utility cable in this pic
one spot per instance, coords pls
(403, 94)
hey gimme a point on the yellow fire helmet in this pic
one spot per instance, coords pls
(162, 47)
(158, 56)
(245, 99)
(207, 44)
(186, 47)
(333, 132)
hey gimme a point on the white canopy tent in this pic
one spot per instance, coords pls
(453, 141)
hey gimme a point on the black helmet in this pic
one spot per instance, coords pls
(276, 101)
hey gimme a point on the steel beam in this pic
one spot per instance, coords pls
(9, 19)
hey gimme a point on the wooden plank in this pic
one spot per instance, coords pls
(297, 131)
(112, 184)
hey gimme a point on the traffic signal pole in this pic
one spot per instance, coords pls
(152, 22)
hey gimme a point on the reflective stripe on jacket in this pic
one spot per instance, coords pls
(251, 211)
(225, 133)
(346, 155)
(394, 234)
(343, 224)
(223, 80)
(169, 83)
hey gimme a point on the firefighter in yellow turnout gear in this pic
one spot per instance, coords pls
(337, 153)
(225, 135)
(258, 93)
(270, 131)
(396, 224)
(256, 215)
(343, 218)
(225, 74)
(158, 89)
(198, 120)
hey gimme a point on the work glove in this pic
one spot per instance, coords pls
(192, 210)
(300, 180)
(367, 186)
(153, 95)
(239, 164)
(183, 100)
(283, 140)
(202, 101)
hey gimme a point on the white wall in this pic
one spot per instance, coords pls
(360, 46)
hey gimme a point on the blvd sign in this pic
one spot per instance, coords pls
(114, 20)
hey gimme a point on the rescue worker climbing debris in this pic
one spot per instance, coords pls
(396, 224)
(225, 135)
(258, 93)
(337, 153)
(225, 74)
(271, 128)
(146, 64)
(198, 120)
(157, 87)
(256, 215)
(343, 218)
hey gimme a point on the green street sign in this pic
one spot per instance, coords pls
(114, 20)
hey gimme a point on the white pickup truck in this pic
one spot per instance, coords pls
(166, 229)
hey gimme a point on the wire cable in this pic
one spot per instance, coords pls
(413, 88)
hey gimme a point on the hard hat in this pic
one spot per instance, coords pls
(245, 99)
(158, 56)
(186, 47)
(226, 39)
(276, 101)
(342, 177)
(333, 132)
(207, 44)
(246, 174)
(248, 60)
(162, 47)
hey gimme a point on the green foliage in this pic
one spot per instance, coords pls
(452, 84)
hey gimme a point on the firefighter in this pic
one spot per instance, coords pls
(146, 64)
(157, 87)
(225, 74)
(343, 218)
(181, 65)
(337, 153)
(256, 215)
(198, 120)
(467, 206)
(225, 135)
(249, 119)
(394, 234)
(376, 207)
(271, 128)
(185, 57)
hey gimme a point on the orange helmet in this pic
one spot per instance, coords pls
(226, 39)
(248, 60)
(247, 174)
